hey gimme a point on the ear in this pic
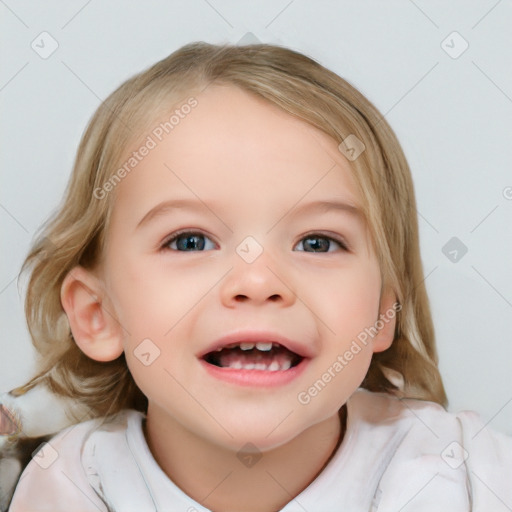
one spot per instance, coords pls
(96, 331)
(387, 321)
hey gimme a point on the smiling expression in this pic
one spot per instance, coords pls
(242, 225)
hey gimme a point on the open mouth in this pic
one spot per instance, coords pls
(263, 356)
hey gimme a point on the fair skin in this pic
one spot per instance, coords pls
(250, 168)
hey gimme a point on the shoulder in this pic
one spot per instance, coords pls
(487, 455)
(57, 478)
(451, 454)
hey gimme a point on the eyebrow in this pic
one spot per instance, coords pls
(327, 206)
(191, 204)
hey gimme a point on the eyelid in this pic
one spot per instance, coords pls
(341, 240)
(189, 231)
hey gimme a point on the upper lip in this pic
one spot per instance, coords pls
(300, 348)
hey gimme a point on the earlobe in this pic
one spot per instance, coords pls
(386, 322)
(95, 330)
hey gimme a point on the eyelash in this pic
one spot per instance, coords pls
(165, 245)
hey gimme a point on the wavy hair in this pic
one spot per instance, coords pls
(75, 233)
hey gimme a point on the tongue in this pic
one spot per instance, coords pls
(256, 360)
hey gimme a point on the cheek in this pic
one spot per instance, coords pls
(348, 304)
(350, 307)
(151, 298)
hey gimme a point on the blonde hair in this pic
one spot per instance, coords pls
(75, 234)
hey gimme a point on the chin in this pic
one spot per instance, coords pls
(266, 434)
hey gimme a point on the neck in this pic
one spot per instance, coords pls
(223, 480)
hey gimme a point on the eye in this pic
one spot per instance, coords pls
(187, 241)
(191, 241)
(316, 242)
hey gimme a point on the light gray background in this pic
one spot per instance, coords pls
(452, 116)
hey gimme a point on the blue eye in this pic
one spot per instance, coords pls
(321, 243)
(190, 241)
(187, 241)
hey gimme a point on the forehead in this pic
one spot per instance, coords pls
(234, 150)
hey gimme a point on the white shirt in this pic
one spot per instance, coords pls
(397, 455)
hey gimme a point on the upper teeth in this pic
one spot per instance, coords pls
(264, 346)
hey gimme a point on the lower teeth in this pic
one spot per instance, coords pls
(275, 360)
(274, 366)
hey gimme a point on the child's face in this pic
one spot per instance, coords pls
(250, 174)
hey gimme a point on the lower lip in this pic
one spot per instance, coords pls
(255, 378)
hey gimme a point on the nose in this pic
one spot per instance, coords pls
(257, 283)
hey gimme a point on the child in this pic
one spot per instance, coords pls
(233, 288)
